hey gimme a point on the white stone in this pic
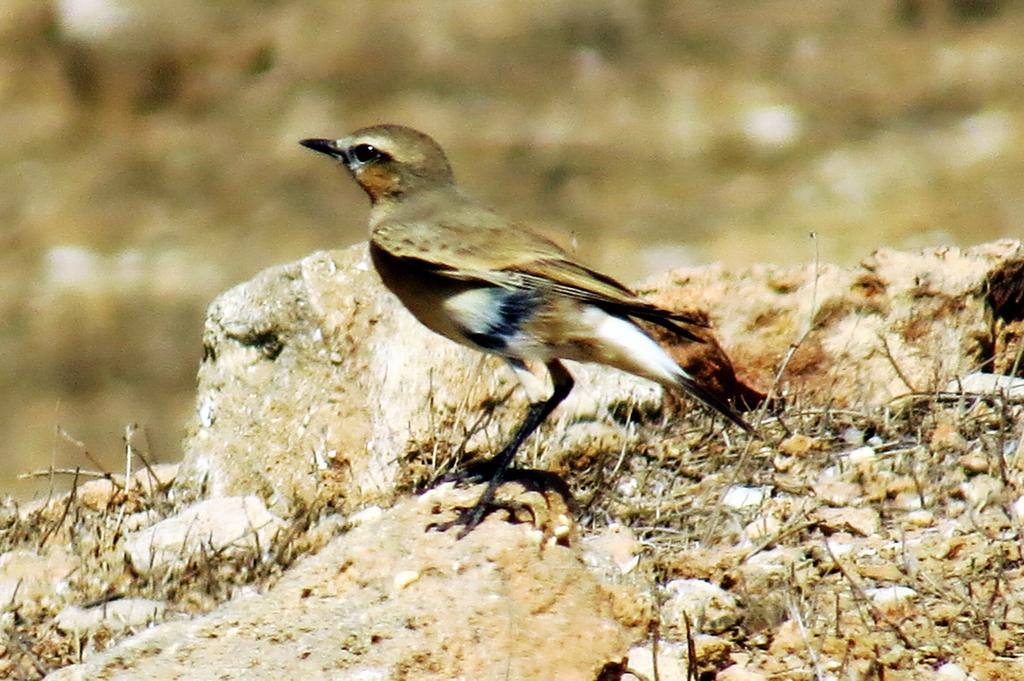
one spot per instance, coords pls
(212, 525)
(921, 518)
(671, 661)
(404, 578)
(124, 613)
(839, 548)
(368, 514)
(26, 576)
(744, 497)
(987, 384)
(888, 596)
(711, 609)
(981, 489)
(764, 525)
(860, 454)
(853, 436)
(952, 672)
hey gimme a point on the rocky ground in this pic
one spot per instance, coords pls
(852, 538)
(846, 544)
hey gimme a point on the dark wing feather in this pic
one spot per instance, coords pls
(480, 246)
(576, 281)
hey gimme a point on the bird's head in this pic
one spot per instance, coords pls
(389, 161)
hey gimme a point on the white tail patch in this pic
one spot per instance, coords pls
(626, 346)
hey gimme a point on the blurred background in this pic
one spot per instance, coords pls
(149, 158)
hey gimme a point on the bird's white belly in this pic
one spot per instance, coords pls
(497, 320)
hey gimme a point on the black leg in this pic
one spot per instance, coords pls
(470, 517)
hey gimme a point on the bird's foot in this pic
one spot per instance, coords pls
(467, 518)
(537, 497)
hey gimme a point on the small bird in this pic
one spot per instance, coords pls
(495, 285)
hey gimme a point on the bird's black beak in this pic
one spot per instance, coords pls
(329, 147)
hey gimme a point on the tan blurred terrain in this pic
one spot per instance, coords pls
(149, 157)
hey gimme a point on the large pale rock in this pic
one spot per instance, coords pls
(28, 578)
(218, 525)
(898, 323)
(391, 600)
(124, 613)
(316, 381)
(709, 608)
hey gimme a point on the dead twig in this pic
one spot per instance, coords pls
(64, 514)
(863, 597)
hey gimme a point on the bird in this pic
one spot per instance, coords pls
(496, 285)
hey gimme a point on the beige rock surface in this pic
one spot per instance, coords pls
(221, 524)
(316, 383)
(900, 322)
(389, 600)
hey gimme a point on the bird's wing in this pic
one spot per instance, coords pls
(511, 256)
(572, 279)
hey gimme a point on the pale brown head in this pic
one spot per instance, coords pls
(389, 161)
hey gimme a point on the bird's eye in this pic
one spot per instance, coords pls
(364, 153)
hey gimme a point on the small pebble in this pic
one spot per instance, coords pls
(907, 501)
(975, 462)
(744, 497)
(798, 444)
(404, 578)
(853, 436)
(980, 490)
(860, 454)
(617, 544)
(711, 609)
(951, 672)
(920, 518)
(97, 495)
(888, 596)
(368, 514)
(838, 493)
(839, 548)
(987, 384)
(864, 521)
(563, 525)
(947, 437)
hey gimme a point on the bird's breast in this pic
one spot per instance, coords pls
(477, 314)
(420, 289)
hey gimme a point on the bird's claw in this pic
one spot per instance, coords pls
(469, 517)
